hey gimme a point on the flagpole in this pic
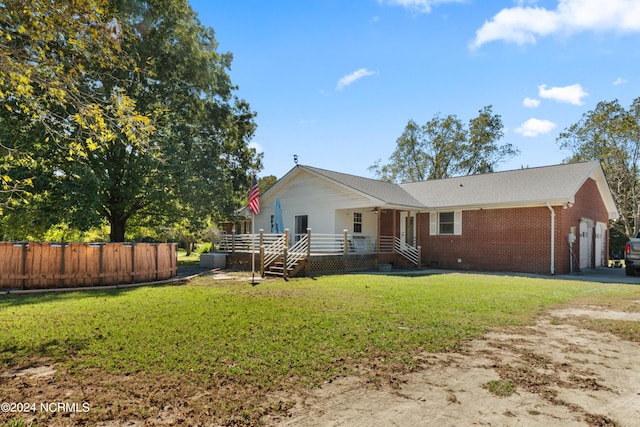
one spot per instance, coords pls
(253, 251)
(254, 207)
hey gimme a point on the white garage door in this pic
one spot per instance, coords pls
(586, 244)
(601, 245)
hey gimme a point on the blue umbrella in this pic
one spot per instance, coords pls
(278, 224)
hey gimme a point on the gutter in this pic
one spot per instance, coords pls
(553, 240)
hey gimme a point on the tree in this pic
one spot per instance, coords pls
(266, 182)
(193, 165)
(48, 52)
(611, 134)
(481, 153)
(442, 148)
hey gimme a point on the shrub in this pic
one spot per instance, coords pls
(203, 248)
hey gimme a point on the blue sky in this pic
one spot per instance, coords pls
(336, 81)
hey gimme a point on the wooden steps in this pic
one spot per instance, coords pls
(276, 269)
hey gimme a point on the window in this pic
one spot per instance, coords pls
(446, 221)
(357, 222)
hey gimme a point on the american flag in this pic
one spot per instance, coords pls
(254, 197)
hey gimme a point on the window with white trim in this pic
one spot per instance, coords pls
(357, 222)
(445, 223)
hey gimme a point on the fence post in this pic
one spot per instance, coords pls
(100, 264)
(261, 260)
(233, 240)
(306, 264)
(285, 253)
(345, 242)
(156, 246)
(62, 245)
(261, 243)
(23, 269)
(284, 267)
(419, 256)
(133, 262)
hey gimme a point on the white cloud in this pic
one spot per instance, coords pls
(534, 127)
(619, 81)
(422, 6)
(351, 78)
(572, 94)
(530, 102)
(522, 25)
(256, 146)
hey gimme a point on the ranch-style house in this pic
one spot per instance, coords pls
(543, 220)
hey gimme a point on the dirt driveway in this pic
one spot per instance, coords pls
(553, 373)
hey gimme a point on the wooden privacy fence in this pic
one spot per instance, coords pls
(67, 265)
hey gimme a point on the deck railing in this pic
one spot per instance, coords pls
(318, 244)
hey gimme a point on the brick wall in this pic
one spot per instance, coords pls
(492, 240)
(514, 239)
(389, 222)
(588, 205)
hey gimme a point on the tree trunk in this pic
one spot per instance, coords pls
(118, 225)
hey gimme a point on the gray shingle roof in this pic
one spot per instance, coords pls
(537, 186)
(387, 192)
(517, 187)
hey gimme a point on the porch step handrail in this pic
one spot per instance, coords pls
(274, 250)
(297, 252)
(408, 251)
(393, 244)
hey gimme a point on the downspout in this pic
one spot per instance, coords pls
(553, 239)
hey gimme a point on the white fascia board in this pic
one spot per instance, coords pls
(530, 204)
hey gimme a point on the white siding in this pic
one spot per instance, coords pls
(309, 195)
(344, 221)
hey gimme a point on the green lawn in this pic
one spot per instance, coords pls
(276, 334)
(184, 261)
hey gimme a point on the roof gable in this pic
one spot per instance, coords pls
(386, 192)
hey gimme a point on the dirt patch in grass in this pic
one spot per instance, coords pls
(564, 370)
(558, 372)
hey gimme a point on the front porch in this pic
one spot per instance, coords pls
(309, 254)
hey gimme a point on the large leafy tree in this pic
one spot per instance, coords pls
(611, 133)
(49, 51)
(444, 147)
(193, 165)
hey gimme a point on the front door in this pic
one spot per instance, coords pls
(407, 229)
(301, 225)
